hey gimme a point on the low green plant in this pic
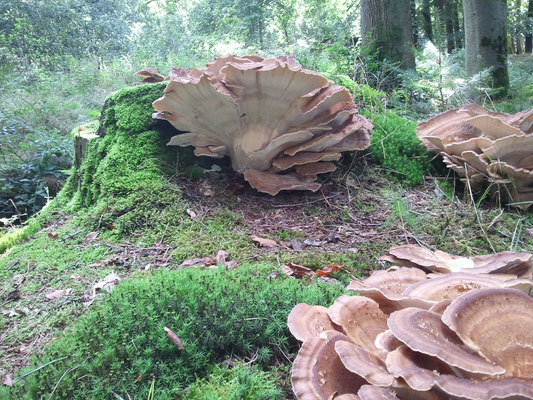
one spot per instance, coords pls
(121, 344)
(236, 383)
(395, 146)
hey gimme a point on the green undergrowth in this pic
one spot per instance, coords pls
(120, 344)
(395, 146)
(237, 383)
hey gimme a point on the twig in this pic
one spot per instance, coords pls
(70, 235)
(65, 374)
(37, 369)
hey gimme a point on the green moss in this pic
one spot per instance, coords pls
(395, 146)
(216, 314)
(237, 383)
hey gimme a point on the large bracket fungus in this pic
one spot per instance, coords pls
(484, 147)
(417, 335)
(280, 124)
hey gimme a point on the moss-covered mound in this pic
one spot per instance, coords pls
(120, 346)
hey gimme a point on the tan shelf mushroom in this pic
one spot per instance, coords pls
(475, 342)
(280, 124)
(486, 148)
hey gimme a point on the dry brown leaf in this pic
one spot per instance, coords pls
(107, 284)
(91, 236)
(8, 380)
(329, 269)
(174, 338)
(56, 294)
(263, 242)
(291, 269)
(52, 235)
(13, 295)
(192, 214)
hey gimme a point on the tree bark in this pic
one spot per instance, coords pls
(529, 36)
(426, 20)
(415, 24)
(486, 39)
(386, 27)
(457, 25)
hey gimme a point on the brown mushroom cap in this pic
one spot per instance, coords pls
(360, 318)
(418, 370)
(493, 127)
(498, 324)
(363, 363)
(307, 321)
(506, 262)
(486, 389)
(387, 341)
(318, 372)
(369, 392)
(273, 183)
(514, 150)
(449, 286)
(259, 109)
(423, 258)
(424, 332)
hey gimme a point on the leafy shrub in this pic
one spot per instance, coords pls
(216, 313)
(32, 167)
(395, 146)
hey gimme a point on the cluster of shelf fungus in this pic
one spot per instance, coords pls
(280, 124)
(486, 149)
(433, 326)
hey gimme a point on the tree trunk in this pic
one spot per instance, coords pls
(486, 39)
(426, 20)
(529, 36)
(415, 24)
(457, 25)
(386, 27)
(518, 37)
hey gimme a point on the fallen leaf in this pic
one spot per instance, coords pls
(138, 378)
(264, 242)
(52, 235)
(273, 275)
(291, 269)
(8, 380)
(329, 269)
(107, 284)
(174, 338)
(312, 242)
(296, 246)
(192, 214)
(196, 262)
(222, 257)
(91, 236)
(57, 294)
(111, 227)
(13, 295)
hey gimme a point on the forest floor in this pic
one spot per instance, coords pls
(62, 271)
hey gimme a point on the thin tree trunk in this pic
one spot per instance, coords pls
(386, 28)
(518, 37)
(457, 26)
(415, 25)
(486, 39)
(529, 36)
(426, 20)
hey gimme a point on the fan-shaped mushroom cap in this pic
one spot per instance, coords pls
(440, 306)
(314, 169)
(436, 261)
(448, 127)
(318, 372)
(307, 321)
(260, 108)
(450, 286)
(385, 287)
(498, 324)
(516, 389)
(493, 127)
(150, 75)
(363, 363)
(369, 392)
(360, 318)
(424, 332)
(387, 341)
(418, 370)
(506, 262)
(392, 280)
(347, 396)
(272, 183)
